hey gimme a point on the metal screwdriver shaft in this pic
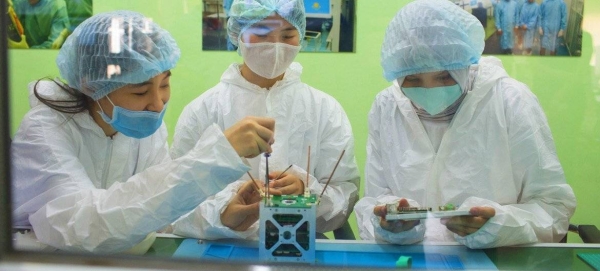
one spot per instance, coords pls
(267, 200)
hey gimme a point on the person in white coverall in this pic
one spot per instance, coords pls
(455, 128)
(268, 35)
(90, 162)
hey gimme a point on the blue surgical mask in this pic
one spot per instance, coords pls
(433, 100)
(136, 124)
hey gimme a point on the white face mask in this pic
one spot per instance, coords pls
(268, 59)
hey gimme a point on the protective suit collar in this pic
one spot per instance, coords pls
(489, 72)
(233, 76)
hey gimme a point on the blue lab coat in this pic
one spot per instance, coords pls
(529, 17)
(506, 19)
(553, 18)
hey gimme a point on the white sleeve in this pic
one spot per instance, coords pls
(546, 202)
(342, 192)
(378, 192)
(113, 220)
(205, 221)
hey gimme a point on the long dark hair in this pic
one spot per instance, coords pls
(76, 103)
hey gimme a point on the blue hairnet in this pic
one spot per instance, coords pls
(245, 13)
(145, 50)
(431, 35)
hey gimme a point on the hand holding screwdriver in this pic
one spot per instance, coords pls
(251, 136)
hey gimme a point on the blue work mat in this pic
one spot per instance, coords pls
(593, 259)
(347, 254)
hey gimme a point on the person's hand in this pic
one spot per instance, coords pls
(287, 184)
(465, 225)
(524, 27)
(561, 33)
(541, 31)
(251, 136)
(243, 210)
(18, 45)
(499, 32)
(516, 27)
(58, 42)
(395, 226)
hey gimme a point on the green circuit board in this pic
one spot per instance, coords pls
(293, 201)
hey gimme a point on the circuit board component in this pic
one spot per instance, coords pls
(411, 213)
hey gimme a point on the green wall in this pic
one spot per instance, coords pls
(567, 87)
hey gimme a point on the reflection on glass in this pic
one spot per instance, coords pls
(112, 70)
(529, 27)
(44, 24)
(116, 33)
(329, 26)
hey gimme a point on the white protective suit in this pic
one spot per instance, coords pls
(303, 117)
(497, 151)
(83, 191)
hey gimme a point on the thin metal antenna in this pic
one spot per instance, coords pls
(306, 190)
(262, 194)
(328, 180)
(283, 172)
